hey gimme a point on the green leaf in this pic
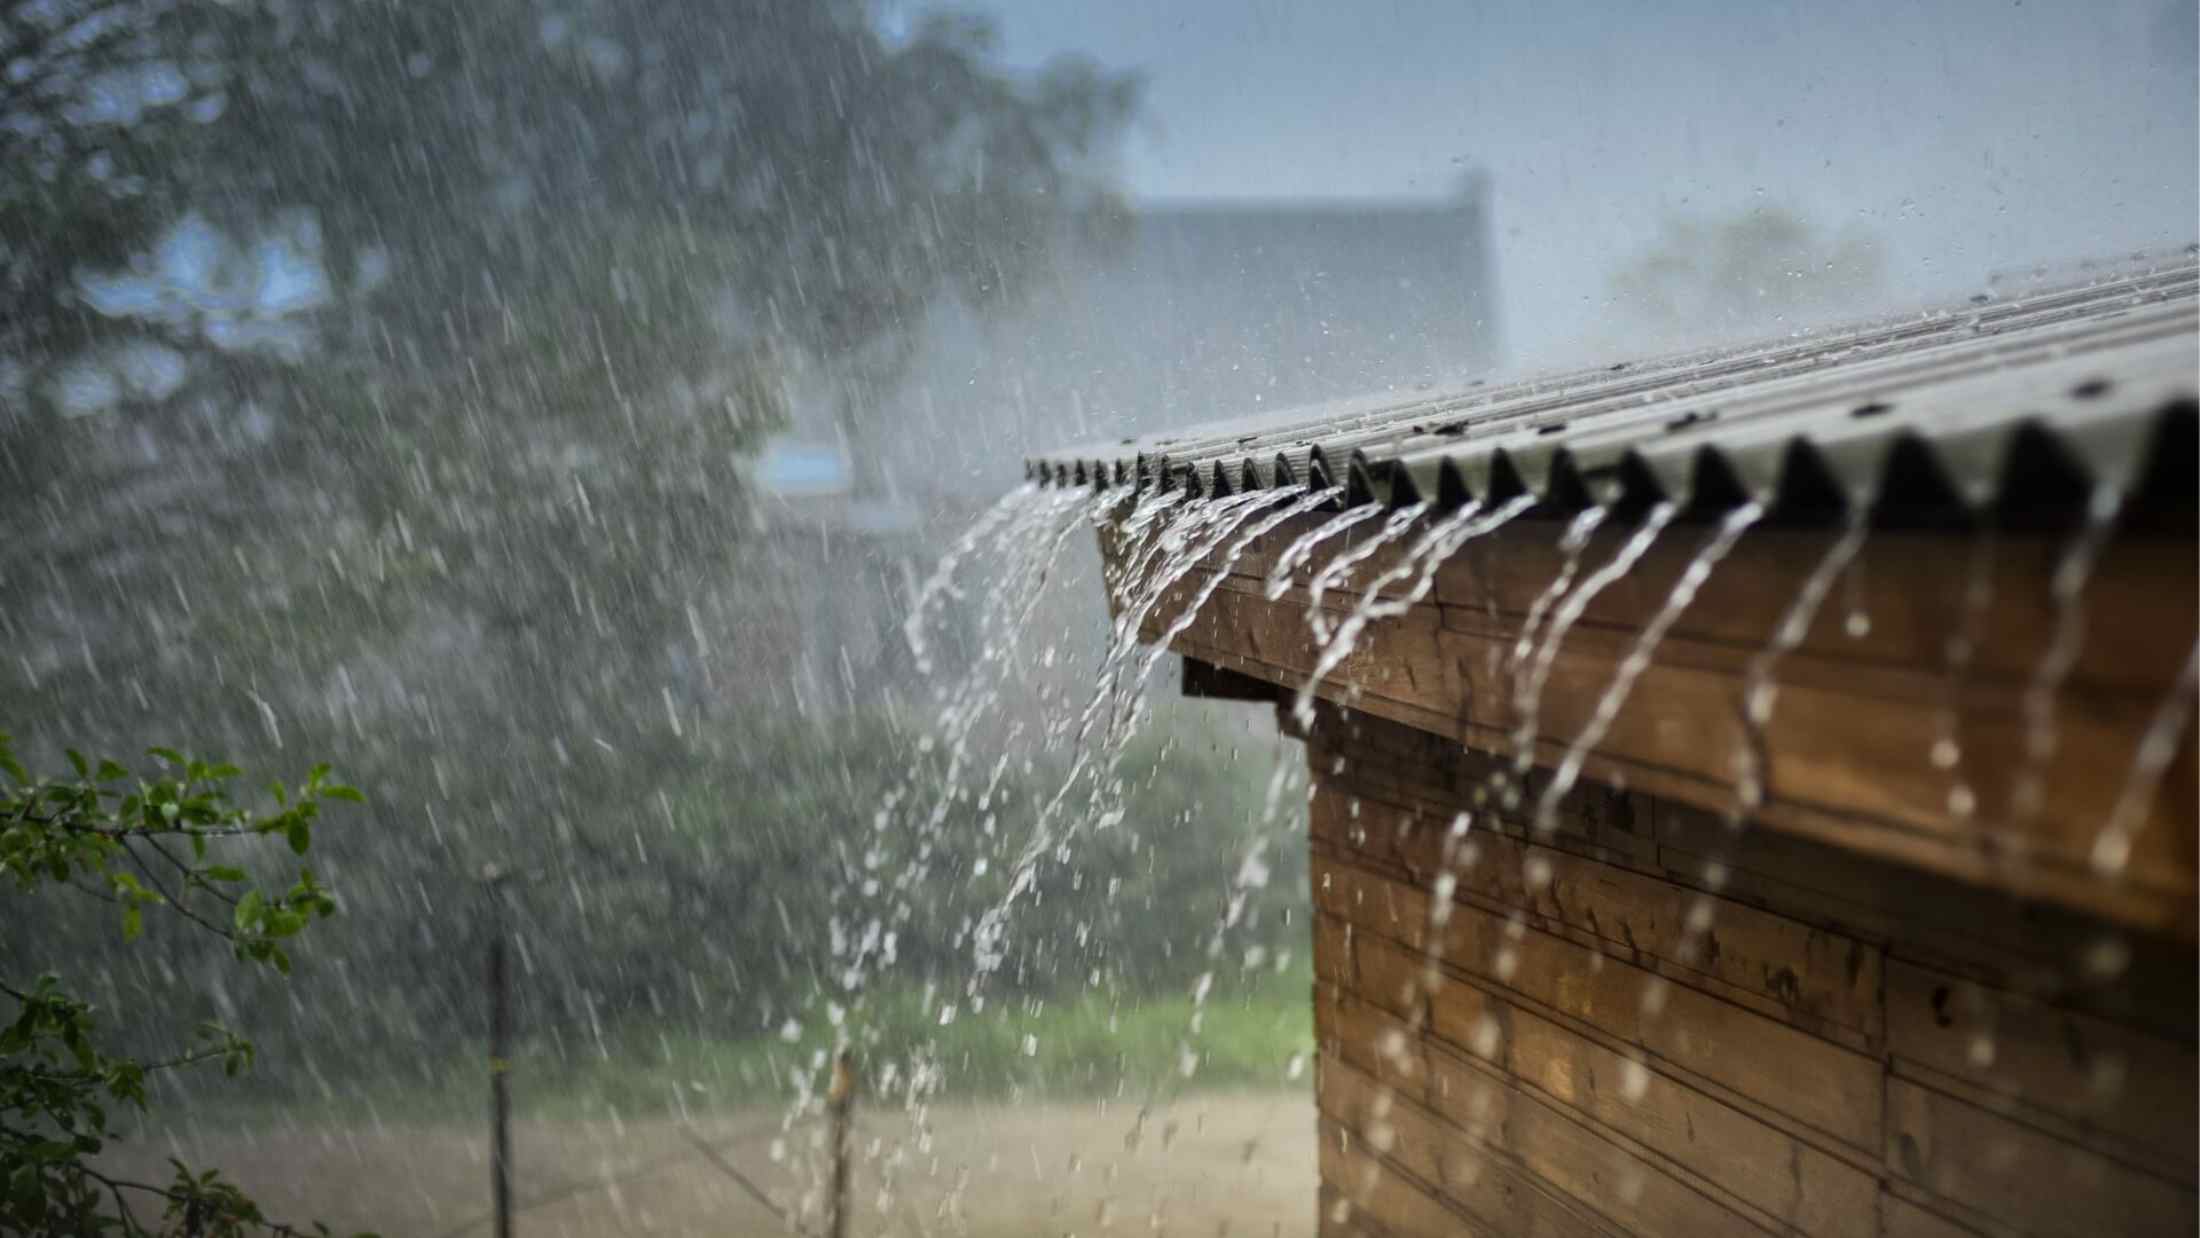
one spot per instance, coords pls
(338, 791)
(83, 768)
(133, 922)
(300, 835)
(110, 770)
(225, 872)
(250, 910)
(169, 755)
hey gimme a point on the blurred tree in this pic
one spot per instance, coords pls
(1747, 273)
(136, 844)
(384, 375)
(627, 197)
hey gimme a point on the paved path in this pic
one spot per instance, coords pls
(1240, 1165)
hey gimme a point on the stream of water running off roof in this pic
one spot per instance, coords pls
(2043, 695)
(1192, 534)
(1334, 572)
(1714, 548)
(1760, 689)
(1569, 612)
(1024, 537)
(1163, 543)
(1430, 552)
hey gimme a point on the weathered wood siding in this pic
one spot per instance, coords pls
(1846, 1047)
(1862, 705)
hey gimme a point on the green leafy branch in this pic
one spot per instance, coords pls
(137, 842)
(106, 830)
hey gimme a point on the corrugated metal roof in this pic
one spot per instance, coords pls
(2032, 400)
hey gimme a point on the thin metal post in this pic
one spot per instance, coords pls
(500, 1062)
(840, 1104)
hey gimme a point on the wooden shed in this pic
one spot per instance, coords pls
(1759, 796)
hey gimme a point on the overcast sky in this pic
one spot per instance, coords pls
(1971, 137)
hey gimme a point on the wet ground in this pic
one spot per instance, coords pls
(1238, 1165)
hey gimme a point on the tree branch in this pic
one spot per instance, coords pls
(116, 1186)
(190, 875)
(175, 904)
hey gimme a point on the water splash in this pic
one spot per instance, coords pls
(1714, 549)
(1760, 690)
(2158, 746)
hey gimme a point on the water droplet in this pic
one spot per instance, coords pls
(1700, 915)
(1962, 801)
(2111, 852)
(1487, 1034)
(1381, 1136)
(1762, 697)
(1634, 1081)
(1506, 963)
(1537, 872)
(2107, 958)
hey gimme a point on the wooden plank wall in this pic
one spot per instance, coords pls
(1594, 1041)
(1862, 705)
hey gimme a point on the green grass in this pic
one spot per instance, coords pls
(1249, 1037)
(1251, 1032)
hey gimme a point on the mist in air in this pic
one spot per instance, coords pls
(597, 431)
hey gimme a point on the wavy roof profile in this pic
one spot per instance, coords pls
(2038, 400)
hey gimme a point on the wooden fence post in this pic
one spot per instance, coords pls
(500, 1058)
(840, 1104)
